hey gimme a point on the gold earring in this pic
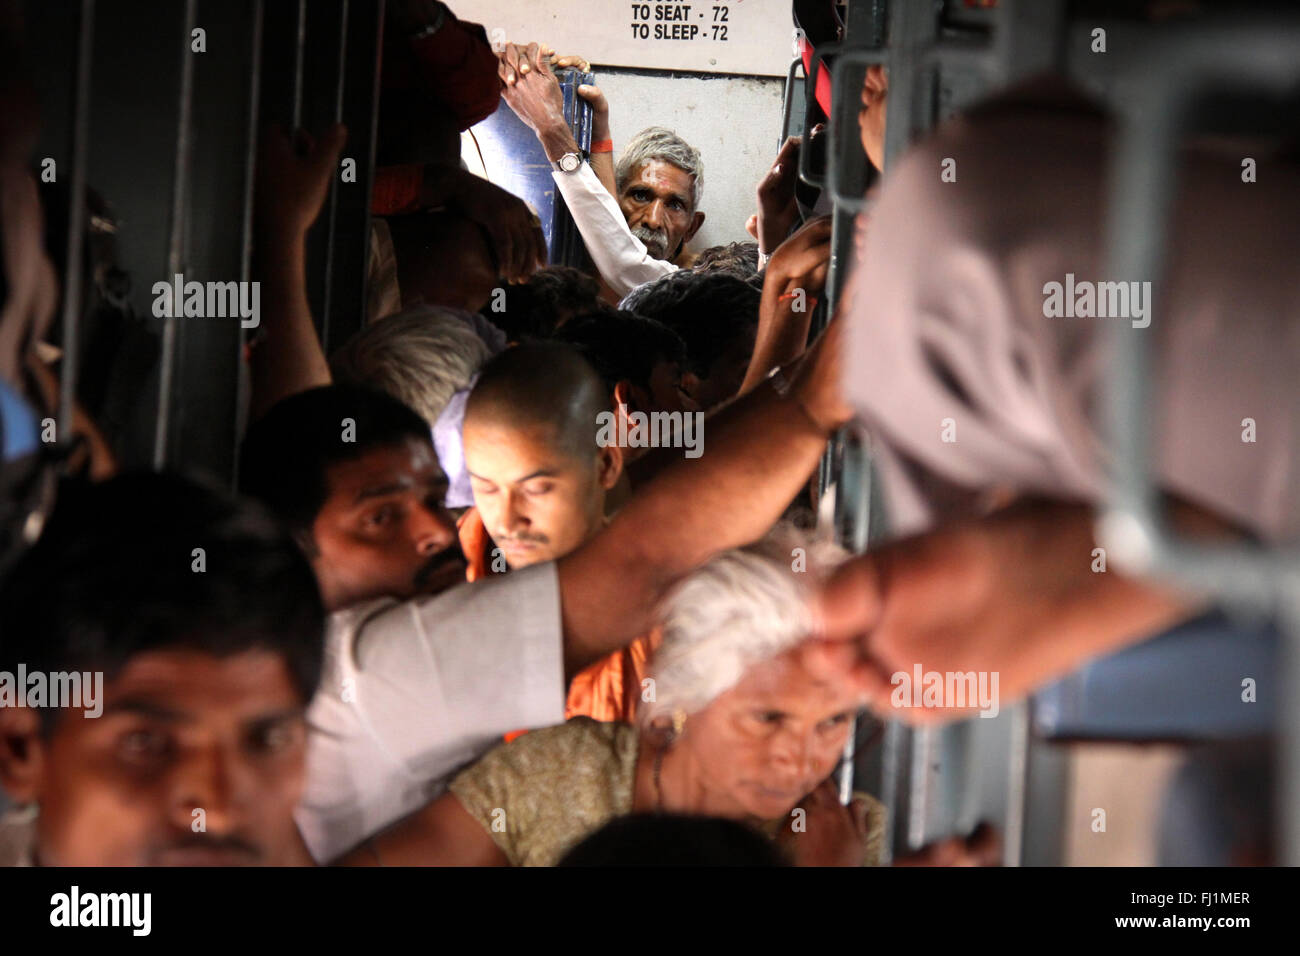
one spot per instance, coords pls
(679, 722)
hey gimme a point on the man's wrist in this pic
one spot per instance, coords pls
(557, 140)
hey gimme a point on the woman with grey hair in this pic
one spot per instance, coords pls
(732, 726)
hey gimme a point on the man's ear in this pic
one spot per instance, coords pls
(696, 221)
(22, 753)
(876, 81)
(624, 402)
(610, 465)
(690, 384)
(631, 398)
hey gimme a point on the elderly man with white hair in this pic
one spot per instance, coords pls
(634, 236)
(733, 726)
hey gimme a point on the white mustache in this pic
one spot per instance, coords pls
(653, 239)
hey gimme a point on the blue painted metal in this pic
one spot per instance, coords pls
(1185, 684)
(515, 161)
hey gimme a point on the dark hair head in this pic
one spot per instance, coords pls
(668, 840)
(739, 259)
(561, 292)
(286, 455)
(116, 573)
(622, 346)
(549, 298)
(714, 313)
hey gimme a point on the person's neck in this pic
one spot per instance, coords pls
(683, 785)
(618, 496)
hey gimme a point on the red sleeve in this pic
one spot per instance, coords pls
(397, 189)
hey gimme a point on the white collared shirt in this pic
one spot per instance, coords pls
(413, 691)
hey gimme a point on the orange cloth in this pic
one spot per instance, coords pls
(476, 544)
(609, 689)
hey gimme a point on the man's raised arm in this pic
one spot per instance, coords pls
(532, 91)
(759, 452)
(292, 185)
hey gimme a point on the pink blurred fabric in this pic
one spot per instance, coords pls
(946, 321)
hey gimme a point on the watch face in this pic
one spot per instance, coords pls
(569, 162)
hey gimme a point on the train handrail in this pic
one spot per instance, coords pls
(1171, 74)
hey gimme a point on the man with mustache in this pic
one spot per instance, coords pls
(542, 484)
(634, 236)
(354, 475)
(201, 621)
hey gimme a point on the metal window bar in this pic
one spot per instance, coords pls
(334, 181)
(1022, 37)
(1173, 72)
(787, 108)
(299, 55)
(73, 272)
(246, 229)
(176, 240)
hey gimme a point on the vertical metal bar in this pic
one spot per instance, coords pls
(250, 153)
(891, 763)
(846, 769)
(853, 481)
(72, 297)
(787, 101)
(334, 182)
(918, 803)
(300, 48)
(1288, 745)
(1171, 75)
(246, 234)
(343, 62)
(176, 241)
(1017, 787)
(902, 78)
(372, 141)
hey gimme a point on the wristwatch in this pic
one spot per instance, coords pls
(569, 162)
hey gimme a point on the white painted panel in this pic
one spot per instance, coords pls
(716, 36)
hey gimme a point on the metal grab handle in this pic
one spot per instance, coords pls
(845, 118)
(826, 49)
(787, 104)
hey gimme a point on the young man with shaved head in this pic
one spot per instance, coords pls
(541, 482)
(538, 475)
